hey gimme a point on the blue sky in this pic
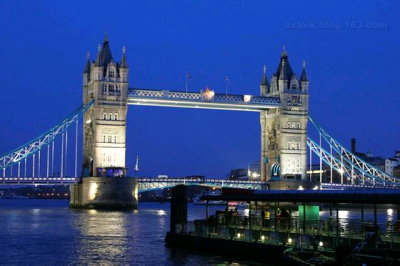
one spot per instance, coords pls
(351, 50)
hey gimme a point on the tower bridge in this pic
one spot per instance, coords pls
(285, 145)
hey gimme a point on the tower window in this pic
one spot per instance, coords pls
(109, 139)
(104, 116)
(111, 73)
(298, 125)
(115, 116)
(104, 138)
(109, 116)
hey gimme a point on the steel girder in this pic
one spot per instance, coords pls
(356, 162)
(44, 139)
(155, 184)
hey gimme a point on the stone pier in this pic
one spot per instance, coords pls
(105, 193)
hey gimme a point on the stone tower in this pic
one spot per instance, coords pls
(105, 183)
(284, 130)
(104, 134)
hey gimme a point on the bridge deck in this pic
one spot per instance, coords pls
(201, 100)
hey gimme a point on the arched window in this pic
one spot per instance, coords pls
(109, 116)
(104, 116)
(115, 116)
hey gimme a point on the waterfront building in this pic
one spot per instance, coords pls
(392, 163)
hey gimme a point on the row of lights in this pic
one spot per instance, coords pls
(290, 240)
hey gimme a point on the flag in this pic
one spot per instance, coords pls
(227, 79)
(188, 76)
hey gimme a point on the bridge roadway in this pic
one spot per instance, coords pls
(145, 184)
(202, 99)
(149, 184)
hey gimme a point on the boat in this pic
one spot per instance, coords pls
(306, 257)
(373, 251)
(197, 201)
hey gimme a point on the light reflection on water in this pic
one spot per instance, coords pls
(47, 231)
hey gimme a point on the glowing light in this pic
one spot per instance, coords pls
(238, 235)
(316, 188)
(262, 238)
(92, 190)
(390, 212)
(247, 98)
(341, 171)
(290, 240)
(89, 121)
(301, 188)
(161, 213)
(255, 175)
(321, 244)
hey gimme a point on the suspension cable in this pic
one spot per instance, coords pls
(76, 149)
(62, 155)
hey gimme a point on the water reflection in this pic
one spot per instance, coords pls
(390, 214)
(103, 236)
(344, 214)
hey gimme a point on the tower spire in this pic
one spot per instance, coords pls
(87, 65)
(124, 64)
(98, 59)
(105, 37)
(264, 80)
(303, 76)
(284, 53)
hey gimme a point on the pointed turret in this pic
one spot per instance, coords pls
(123, 64)
(264, 80)
(284, 71)
(264, 86)
(303, 76)
(98, 59)
(106, 55)
(303, 79)
(87, 65)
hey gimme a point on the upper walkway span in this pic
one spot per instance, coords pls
(204, 100)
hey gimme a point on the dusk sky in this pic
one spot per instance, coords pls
(351, 50)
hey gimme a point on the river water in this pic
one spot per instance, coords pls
(48, 232)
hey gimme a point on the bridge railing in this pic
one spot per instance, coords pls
(201, 97)
(148, 184)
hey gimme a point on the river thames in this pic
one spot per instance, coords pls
(47, 231)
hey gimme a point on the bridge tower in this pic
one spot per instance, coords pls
(105, 82)
(284, 130)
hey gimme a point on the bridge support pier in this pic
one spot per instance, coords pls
(104, 193)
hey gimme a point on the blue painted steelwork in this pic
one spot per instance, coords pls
(147, 184)
(358, 166)
(203, 100)
(34, 146)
